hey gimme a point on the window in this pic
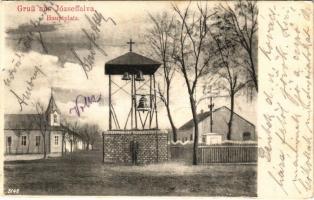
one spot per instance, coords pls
(55, 118)
(23, 140)
(9, 141)
(56, 140)
(246, 136)
(204, 139)
(37, 140)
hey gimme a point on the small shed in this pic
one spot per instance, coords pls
(212, 138)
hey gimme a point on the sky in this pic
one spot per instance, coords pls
(60, 70)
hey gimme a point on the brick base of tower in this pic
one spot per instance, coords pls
(152, 146)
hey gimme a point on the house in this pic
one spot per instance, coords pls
(72, 141)
(242, 129)
(28, 133)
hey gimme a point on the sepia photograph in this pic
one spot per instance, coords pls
(131, 99)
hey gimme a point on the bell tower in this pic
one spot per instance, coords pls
(137, 74)
(53, 113)
(133, 136)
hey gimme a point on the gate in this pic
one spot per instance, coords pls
(134, 151)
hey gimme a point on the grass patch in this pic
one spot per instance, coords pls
(83, 173)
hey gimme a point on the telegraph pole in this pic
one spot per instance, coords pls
(211, 105)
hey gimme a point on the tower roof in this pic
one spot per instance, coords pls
(131, 62)
(52, 106)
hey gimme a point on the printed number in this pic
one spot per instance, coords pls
(13, 191)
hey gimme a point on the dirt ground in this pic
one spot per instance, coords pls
(83, 173)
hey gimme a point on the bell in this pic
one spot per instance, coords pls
(126, 76)
(142, 105)
(139, 76)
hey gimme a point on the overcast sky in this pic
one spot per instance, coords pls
(63, 72)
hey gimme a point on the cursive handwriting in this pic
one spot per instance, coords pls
(286, 128)
(279, 176)
(95, 22)
(28, 38)
(86, 101)
(25, 96)
(16, 61)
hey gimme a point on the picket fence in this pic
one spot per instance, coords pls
(222, 153)
(227, 154)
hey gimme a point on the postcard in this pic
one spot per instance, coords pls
(157, 98)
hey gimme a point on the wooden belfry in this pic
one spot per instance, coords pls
(137, 73)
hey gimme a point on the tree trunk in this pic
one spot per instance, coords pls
(231, 116)
(18, 144)
(45, 151)
(62, 144)
(28, 141)
(173, 127)
(195, 121)
(71, 145)
(254, 77)
(65, 148)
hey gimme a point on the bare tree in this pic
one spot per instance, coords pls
(18, 134)
(94, 134)
(84, 134)
(69, 138)
(75, 129)
(241, 22)
(225, 64)
(193, 61)
(42, 122)
(161, 38)
(69, 135)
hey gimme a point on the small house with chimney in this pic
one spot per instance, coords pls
(213, 129)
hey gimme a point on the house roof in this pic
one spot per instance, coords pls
(30, 121)
(25, 122)
(204, 115)
(190, 123)
(21, 121)
(131, 62)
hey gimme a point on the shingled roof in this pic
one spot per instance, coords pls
(21, 121)
(52, 106)
(131, 62)
(204, 115)
(26, 122)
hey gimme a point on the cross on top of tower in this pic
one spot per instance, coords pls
(130, 43)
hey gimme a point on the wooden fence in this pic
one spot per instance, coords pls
(217, 153)
(181, 152)
(227, 154)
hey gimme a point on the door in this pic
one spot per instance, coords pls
(134, 151)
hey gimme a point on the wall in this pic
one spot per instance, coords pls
(184, 135)
(117, 146)
(51, 119)
(55, 148)
(16, 142)
(239, 126)
(30, 147)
